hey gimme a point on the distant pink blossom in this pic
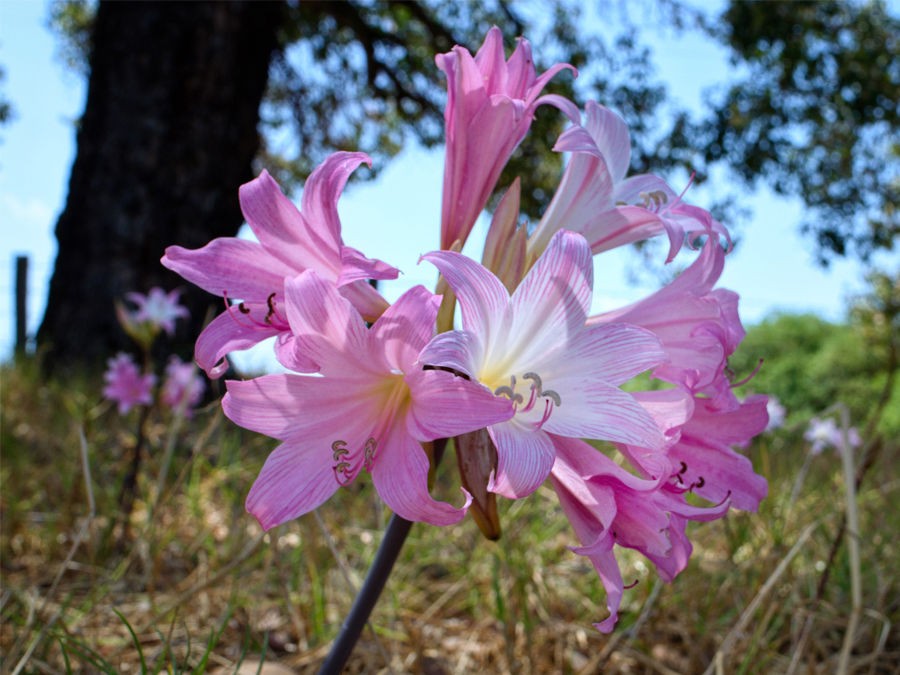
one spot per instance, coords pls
(125, 385)
(371, 408)
(183, 387)
(533, 348)
(290, 241)
(490, 106)
(596, 199)
(824, 433)
(158, 308)
(776, 412)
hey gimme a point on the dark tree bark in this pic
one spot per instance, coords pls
(168, 134)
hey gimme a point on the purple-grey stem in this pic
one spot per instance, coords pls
(388, 551)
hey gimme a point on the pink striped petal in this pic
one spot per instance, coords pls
(445, 405)
(294, 480)
(286, 234)
(483, 299)
(325, 325)
(524, 459)
(613, 353)
(406, 327)
(225, 334)
(229, 267)
(400, 474)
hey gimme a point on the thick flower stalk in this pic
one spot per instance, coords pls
(371, 407)
(290, 241)
(490, 106)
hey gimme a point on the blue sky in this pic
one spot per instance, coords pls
(773, 269)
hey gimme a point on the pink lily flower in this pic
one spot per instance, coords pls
(534, 349)
(183, 387)
(290, 241)
(609, 506)
(158, 308)
(707, 464)
(699, 327)
(372, 407)
(595, 199)
(490, 106)
(125, 385)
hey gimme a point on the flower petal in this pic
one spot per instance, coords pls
(225, 334)
(614, 355)
(597, 410)
(406, 327)
(552, 301)
(524, 459)
(289, 236)
(235, 268)
(445, 405)
(483, 299)
(326, 327)
(286, 406)
(294, 480)
(400, 474)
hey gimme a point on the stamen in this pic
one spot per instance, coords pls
(749, 377)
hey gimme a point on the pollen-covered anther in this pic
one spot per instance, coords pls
(551, 398)
(348, 464)
(654, 199)
(244, 314)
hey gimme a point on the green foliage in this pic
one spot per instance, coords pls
(809, 364)
(815, 116)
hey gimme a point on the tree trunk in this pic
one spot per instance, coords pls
(168, 134)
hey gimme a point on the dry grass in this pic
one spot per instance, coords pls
(193, 585)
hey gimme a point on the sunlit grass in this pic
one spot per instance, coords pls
(193, 585)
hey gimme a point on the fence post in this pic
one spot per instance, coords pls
(21, 304)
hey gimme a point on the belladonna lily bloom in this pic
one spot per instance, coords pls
(534, 349)
(126, 385)
(158, 308)
(490, 106)
(698, 326)
(596, 199)
(371, 407)
(290, 241)
(608, 507)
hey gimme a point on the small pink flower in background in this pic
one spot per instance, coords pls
(371, 408)
(158, 308)
(125, 385)
(595, 199)
(777, 414)
(490, 106)
(533, 348)
(824, 433)
(290, 241)
(183, 386)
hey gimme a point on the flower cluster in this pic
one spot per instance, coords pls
(126, 385)
(529, 384)
(824, 433)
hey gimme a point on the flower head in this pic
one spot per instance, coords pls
(824, 433)
(371, 407)
(158, 308)
(290, 241)
(490, 106)
(125, 385)
(183, 387)
(534, 349)
(596, 199)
